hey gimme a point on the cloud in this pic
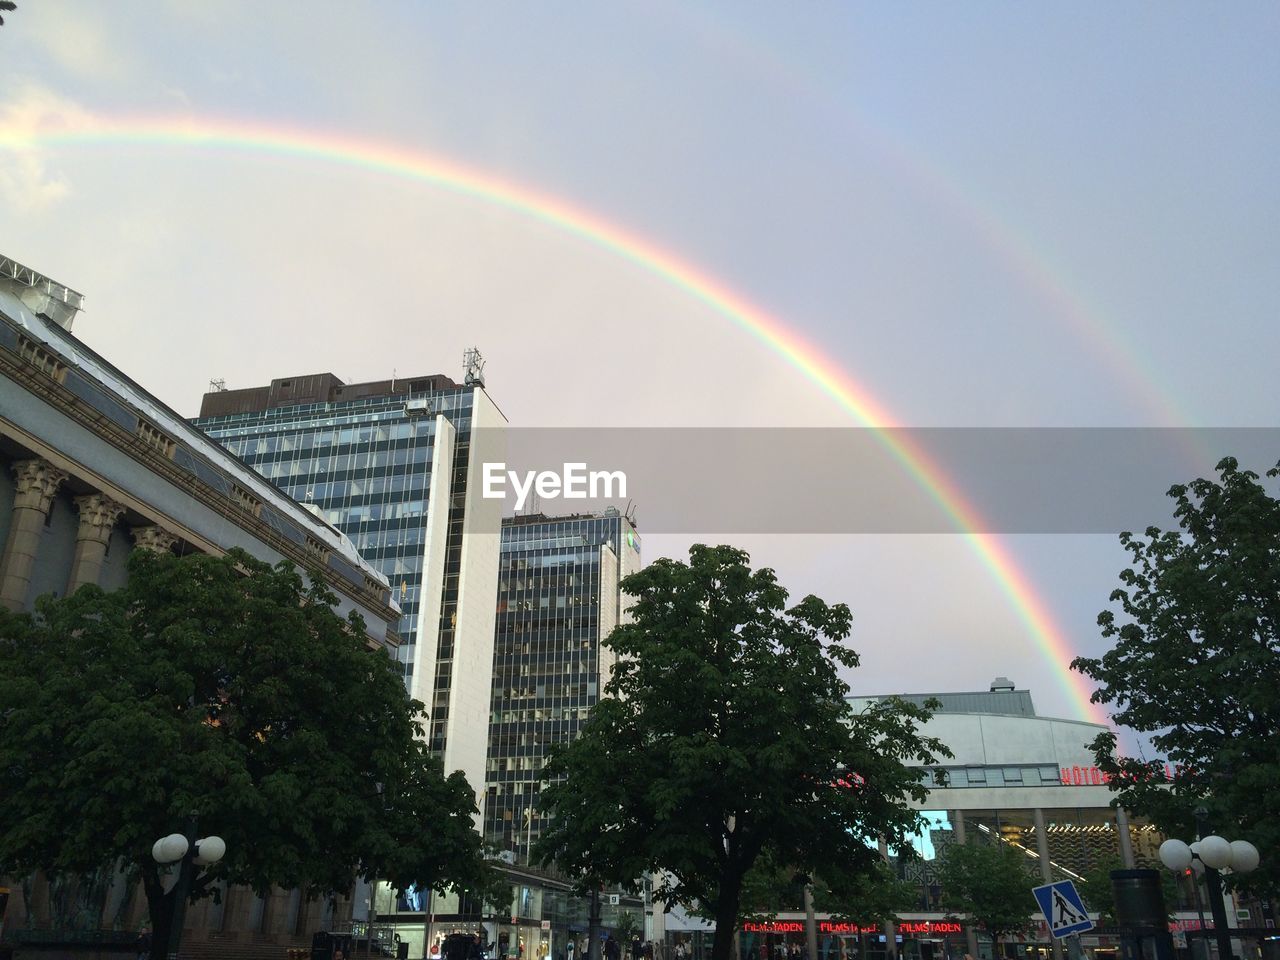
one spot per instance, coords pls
(80, 44)
(26, 179)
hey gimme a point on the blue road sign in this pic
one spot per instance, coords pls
(1062, 908)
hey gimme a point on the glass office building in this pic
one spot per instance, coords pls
(558, 598)
(389, 463)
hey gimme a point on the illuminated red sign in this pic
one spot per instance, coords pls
(930, 926)
(1093, 776)
(833, 926)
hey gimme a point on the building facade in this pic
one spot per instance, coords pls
(1016, 779)
(390, 464)
(92, 467)
(559, 596)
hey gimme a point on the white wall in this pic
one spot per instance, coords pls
(989, 739)
(439, 494)
(467, 729)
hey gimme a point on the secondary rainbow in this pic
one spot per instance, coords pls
(785, 342)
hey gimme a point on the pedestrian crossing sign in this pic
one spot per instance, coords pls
(1062, 908)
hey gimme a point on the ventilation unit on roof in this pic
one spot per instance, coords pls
(1001, 683)
(44, 297)
(418, 407)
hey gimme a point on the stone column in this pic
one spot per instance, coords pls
(970, 934)
(98, 516)
(1046, 871)
(1126, 839)
(889, 928)
(154, 537)
(38, 481)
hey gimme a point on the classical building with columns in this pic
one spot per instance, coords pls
(92, 467)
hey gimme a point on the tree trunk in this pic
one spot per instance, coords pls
(727, 916)
(159, 910)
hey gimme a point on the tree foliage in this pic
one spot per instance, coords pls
(988, 883)
(6, 6)
(725, 735)
(1196, 665)
(627, 929)
(230, 690)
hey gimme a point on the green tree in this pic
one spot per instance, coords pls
(725, 735)
(627, 929)
(988, 883)
(230, 690)
(1196, 665)
(7, 6)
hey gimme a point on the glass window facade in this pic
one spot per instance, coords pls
(558, 597)
(365, 466)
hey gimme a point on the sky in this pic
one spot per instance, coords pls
(979, 215)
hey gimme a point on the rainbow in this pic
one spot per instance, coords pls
(1025, 258)
(385, 158)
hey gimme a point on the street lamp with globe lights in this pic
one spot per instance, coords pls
(189, 853)
(1209, 855)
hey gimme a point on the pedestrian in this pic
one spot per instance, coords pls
(144, 943)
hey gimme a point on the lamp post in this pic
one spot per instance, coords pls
(1212, 854)
(189, 853)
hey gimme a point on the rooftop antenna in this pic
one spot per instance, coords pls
(218, 386)
(473, 367)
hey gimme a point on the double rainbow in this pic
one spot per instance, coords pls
(393, 160)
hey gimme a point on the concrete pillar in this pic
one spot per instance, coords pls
(970, 934)
(1126, 839)
(153, 537)
(38, 481)
(890, 929)
(98, 515)
(1046, 873)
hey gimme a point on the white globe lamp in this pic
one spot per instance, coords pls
(1244, 856)
(1215, 852)
(1175, 855)
(210, 850)
(169, 849)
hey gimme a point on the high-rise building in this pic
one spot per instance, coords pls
(390, 464)
(558, 598)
